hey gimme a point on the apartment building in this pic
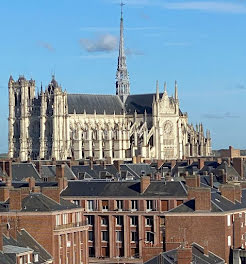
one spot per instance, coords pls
(215, 219)
(54, 223)
(126, 220)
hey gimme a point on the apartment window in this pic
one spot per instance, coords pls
(58, 220)
(240, 215)
(119, 220)
(119, 236)
(90, 205)
(105, 205)
(90, 236)
(104, 235)
(228, 220)
(91, 252)
(148, 221)
(21, 260)
(134, 220)
(35, 257)
(90, 219)
(104, 220)
(134, 205)
(65, 219)
(76, 202)
(28, 258)
(149, 237)
(78, 217)
(134, 236)
(229, 241)
(149, 205)
(119, 204)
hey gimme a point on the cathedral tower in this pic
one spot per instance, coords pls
(122, 77)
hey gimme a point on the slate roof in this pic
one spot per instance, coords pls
(137, 170)
(231, 172)
(170, 257)
(95, 173)
(49, 171)
(21, 171)
(15, 249)
(26, 242)
(123, 189)
(218, 204)
(92, 102)
(37, 202)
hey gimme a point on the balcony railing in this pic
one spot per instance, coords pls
(71, 225)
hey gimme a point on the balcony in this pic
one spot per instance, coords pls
(70, 225)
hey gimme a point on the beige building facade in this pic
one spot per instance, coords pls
(55, 124)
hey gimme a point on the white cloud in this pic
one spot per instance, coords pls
(103, 43)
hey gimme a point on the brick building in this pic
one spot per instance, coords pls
(215, 219)
(126, 220)
(54, 223)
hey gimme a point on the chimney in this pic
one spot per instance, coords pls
(158, 176)
(202, 198)
(200, 163)
(144, 183)
(192, 180)
(91, 164)
(15, 199)
(60, 171)
(31, 183)
(117, 164)
(159, 163)
(238, 166)
(184, 255)
(173, 163)
(134, 159)
(238, 193)
(228, 192)
(211, 179)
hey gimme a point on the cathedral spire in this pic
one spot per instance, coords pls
(122, 78)
(157, 90)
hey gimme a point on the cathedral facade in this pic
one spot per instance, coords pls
(54, 124)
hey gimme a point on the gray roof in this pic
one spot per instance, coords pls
(40, 203)
(15, 249)
(98, 171)
(94, 102)
(198, 256)
(49, 171)
(218, 204)
(21, 171)
(26, 242)
(138, 170)
(123, 189)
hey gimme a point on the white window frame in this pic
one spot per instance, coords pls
(149, 205)
(119, 204)
(58, 220)
(228, 220)
(118, 221)
(119, 236)
(90, 205)
(229, 241)
(131, 222)
(134, 205)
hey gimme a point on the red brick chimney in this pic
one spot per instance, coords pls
(228, 191)
(184, 255)
(238, 193)
(31, 183)
(238, 166)
(192, 180)
(60, 171)
(144, 184)
(211, 179)
(117, 164)
(200, 163)
(202, 198)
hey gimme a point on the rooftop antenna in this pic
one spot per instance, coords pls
(122, 4)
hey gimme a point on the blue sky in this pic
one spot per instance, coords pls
(201, 44)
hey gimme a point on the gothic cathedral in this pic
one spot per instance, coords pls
(54, 124)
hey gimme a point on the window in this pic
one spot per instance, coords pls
(229, 241)
(78, 217)
(119, 204)
(76, 202)
(90, 236)
(65, 219)
(58, 220)
(119, 220)
(134, 236)
(104, 220)
(149, 204)
(228, 220)
(119, 236)
(134, 205)
(149, 237)
(91, 252)
(134, 220)
(35, 257)
(104, 235)
(104, 205)
(90, 205)
(148, 221)
(90, 219)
